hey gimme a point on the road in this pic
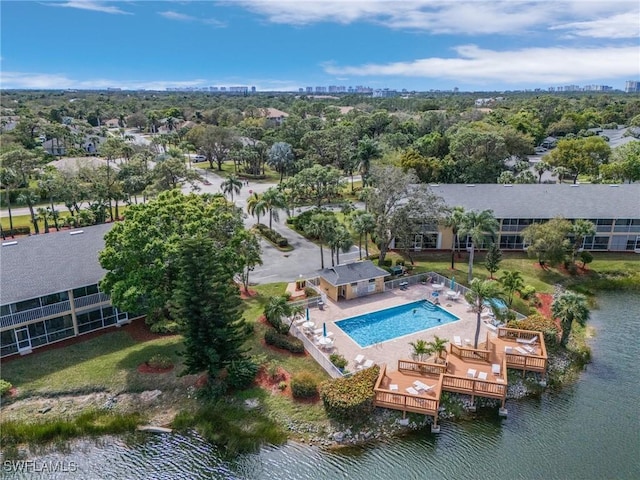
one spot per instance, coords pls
(303, 260)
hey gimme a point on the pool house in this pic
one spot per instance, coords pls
(49, 289)
(352, 280)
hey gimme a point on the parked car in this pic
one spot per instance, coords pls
(199, 158)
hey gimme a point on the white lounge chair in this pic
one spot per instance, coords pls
(495, 369)
(471, 373)
(508, 349)
(521, 351)
(422, 386)
(457, 340)
(393, 387)
(368, 364)
(412, 391)
(482, 376)
(359, 359)
(529, 341)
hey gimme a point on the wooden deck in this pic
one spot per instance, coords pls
(480, 372)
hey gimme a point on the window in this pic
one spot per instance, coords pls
(5, 310)
(8, 343)
(84, 291)
(55, 298)
(511, 242)
(28, 304)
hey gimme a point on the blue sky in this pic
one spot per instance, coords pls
(284, 44)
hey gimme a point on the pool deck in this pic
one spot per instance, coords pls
(391, 351)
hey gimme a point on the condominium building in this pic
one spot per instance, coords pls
(49, 289)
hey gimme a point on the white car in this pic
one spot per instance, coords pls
(199, 158)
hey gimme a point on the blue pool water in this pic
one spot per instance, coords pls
(390, 323)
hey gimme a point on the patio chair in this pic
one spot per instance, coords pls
(393, 387)
(482, 376)
(529, 341)
(471, 373)
(422, 386)
(367, 364)
(495, 369)
(457, 340)
(358, 360)
(412, 391)
(521, 351)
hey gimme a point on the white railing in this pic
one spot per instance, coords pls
(433, 277)
(34, 314)
(317, 354)
(91, 299)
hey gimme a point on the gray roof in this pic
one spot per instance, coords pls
(544, 201)
(50, 263)
(352, 273)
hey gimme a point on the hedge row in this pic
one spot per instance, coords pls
(16, 192)
(272, 235)
(538, 323)
(22, 230)
(287, 342)
(350, 398)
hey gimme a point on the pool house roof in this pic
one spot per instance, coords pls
(352, 273)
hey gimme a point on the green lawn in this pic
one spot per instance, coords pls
(107, 362)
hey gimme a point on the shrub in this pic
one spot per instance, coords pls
(241, 373)
(538, 323)
(273, 236)
(350, 399)
(585, 257)
(282, 385)
(23, 230)
(310, 292)
(373, 257)
(4, 387)
(400, 263)
(160, 361)
(338, 360)
(273, 369)
(286, 342)
(304, 385)
(528, 292)
(387, 263)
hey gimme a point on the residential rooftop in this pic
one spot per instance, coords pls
(48, 263)
(545, 201)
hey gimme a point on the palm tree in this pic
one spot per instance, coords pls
(421, 349)
(581, 229)
(476, 225)
(483, 294)
(8, 180)
(340, 240)
(256, 206)
(363, 223)
(275, 310)
(30, 198)
(570, 307)
(321, 226)
(44, 215)
(439, 346)
(231, 185)
(367, 151)
(540, 168)
(512, 282)
(274, 201)
(454, 221)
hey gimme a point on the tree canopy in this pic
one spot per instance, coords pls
(141, 252)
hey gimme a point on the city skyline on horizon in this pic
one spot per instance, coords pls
(282, 46)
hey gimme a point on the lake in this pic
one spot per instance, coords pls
(589, 430)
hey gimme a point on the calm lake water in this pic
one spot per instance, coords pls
(590, 430)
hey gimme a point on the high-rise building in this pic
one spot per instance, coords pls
(632, 86)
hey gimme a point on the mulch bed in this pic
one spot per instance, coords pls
(546, 299)
(145, 368)
(247, 295)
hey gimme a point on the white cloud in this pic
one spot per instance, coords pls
(468, 17)
(181, 17)
(46, 81)
(542, 66)
(623, 25)
(94, 6)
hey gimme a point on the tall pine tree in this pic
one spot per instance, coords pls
(207, 303)
(492, 259)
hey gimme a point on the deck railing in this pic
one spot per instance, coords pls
(470, 353)
(532, 363)
(34, 314)
(474, 386)
(92, 299)
(420, 368)
(514, 334)
(406, 402)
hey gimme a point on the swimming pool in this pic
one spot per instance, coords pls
(390, 323)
